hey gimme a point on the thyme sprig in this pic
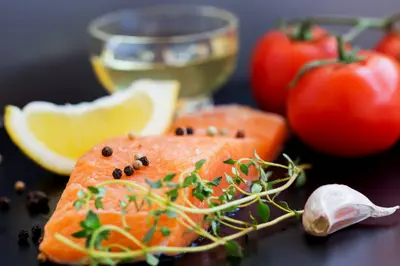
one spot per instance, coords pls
(160, 197)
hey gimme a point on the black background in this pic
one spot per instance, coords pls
(44, 56)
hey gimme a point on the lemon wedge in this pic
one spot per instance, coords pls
(55, 136)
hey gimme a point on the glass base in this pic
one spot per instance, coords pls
(191, 105)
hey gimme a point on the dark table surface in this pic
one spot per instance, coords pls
(372, 242)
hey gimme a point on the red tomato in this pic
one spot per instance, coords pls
(390, 45)
(277, 58)
(348, 109)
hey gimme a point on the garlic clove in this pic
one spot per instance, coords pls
(333, 207)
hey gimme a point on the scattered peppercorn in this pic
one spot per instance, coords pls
(37, 202)
(19, 186)
(137, 164)
(211, 131)
(138, 156)
(4, 203)
(223, 132)
(179, 131)
(23, 236)
(131, 136)
(41, 257)
(128, 170)
(145, 161)
(240, 134)
(40, 195)
(117, 173)
(106, 151)
(36, 231)
(189, 131)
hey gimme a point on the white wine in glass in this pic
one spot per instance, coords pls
(194, 45)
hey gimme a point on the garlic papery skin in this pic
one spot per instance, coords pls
(333, 207)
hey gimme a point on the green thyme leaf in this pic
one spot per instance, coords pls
(301, 180)
(199, 164)
(235, 172)
(256, 155)
(123, 204)
(151, 259)
(79, 203)
(187, 181)
(256, 188)
(80, 234)
(228, 178)
(172, 194)
(131, 198)
(198, 195)
(233, 249)
(215, 227)
(169, 184)
(265, 175)
(169, 177)
(244, 168)
(94, 190)
(148, 200)
(92, 221)
(157, 184)
(215, 182)
(98, 203)
(102, 236)
(81, 194)
(287, 158)
(263, 211)
(230, 161)
(165, 231)
(284, 205)
(101, 192)
(149, 235)
(156, 212)
(170, 213)
(231, 209)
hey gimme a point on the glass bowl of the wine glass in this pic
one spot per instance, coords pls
(195, 45)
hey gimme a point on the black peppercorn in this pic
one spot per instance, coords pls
(128, 170)
(4, 203)
(179, 131)
(117, 173)
(240, 134)
(41, 196)
(37, 202)
(106, 151)
(189, 131)
(36, 231)
(23, 236)
(145, 161)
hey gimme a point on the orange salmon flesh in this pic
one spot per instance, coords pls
(167, 154)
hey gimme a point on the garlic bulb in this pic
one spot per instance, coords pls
(333, 207)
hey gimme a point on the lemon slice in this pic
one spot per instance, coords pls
(55, 136)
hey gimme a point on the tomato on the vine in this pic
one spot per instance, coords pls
(390, 45)
(279, 55)
(349, 108)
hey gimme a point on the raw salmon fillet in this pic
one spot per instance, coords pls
(167, 154)
(257, 125)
